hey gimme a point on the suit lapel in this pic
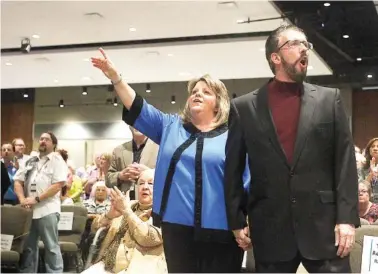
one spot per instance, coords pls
(264, 115)
(127, 154)
(306, 113)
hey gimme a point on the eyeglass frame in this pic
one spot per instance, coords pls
(309, 47)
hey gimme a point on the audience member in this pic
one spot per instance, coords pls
(130, 159)
(99, 173)
(19, 150)
(37, 185)
(369, 171)
(132, 244)
(98, 202)
(367, 209)
(64, 197)
(9, 161)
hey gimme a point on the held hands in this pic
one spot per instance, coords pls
(242, 238)
(344, 238)
(28, 202)
(132, 172)
(106, 66)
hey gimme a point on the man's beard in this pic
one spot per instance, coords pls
(291, 71)
(42, 149)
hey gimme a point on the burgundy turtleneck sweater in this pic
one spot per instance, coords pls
(285, 101)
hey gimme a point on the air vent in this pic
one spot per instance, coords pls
(227, 5)
(93, 15)
(42, 59)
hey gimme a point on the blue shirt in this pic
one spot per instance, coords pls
(196, 192)
(10, 194)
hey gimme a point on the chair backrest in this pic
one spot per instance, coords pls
(16, 221)
(78, 226)
(364, 221)
(356, 252)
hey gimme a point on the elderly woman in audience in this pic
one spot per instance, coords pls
(367, 209)
(369, 171)
(132, 244)
(98, 174)
(98, 202)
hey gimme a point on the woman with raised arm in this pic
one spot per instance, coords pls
(189, 200)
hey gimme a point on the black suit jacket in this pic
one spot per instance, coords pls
(293, 206)
(5, 181)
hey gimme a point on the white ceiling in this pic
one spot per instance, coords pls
(65, 23)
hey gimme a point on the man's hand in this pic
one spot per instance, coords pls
(344, 238)
(242, 238)
(28, 202)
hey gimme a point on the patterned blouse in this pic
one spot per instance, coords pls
(372, 215)
(94, 208)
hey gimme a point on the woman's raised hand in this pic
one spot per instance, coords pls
(106, 66)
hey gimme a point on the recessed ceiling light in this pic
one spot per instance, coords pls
(86, 59)
(56, 81)
(132, 29)
(322, 25)
(327, 4)
(35, 36)
(240, 21)
(310, 67)
(346, 36)
(86, 78)
(359, 59)
(170, 54)
(8, 63)
(369, 76)
(26, 95)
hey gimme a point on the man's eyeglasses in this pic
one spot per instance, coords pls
(295, 44)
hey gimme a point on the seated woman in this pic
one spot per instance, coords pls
(98, 202)
(367, 209)
(132, 244)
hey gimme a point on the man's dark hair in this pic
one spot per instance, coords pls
(53, 139)
(271, 43)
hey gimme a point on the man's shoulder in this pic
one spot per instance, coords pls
(327, 90)
(125, 146)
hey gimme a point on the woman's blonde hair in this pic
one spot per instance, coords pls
(222, 99)
(107, 156)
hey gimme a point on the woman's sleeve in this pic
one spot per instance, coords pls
(144, 233)
(146, 118)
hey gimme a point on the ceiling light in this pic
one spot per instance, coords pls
(370, 88)
(346, 36)
(239, 21)
(86, 78)
(173, 99)
(322, 25)
(115, 102)
(359, 59)
(35, 36)
(370, 76)
(170, 54)
(310, 67)
(132, 29)
(327, 4)
(86, 59)
(84, 92)
(26, 95)
(227, 4)
(8, 64)
(56, 81)
(61, 103)
(148, 88)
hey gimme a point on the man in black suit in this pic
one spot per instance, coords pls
(303, 196)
